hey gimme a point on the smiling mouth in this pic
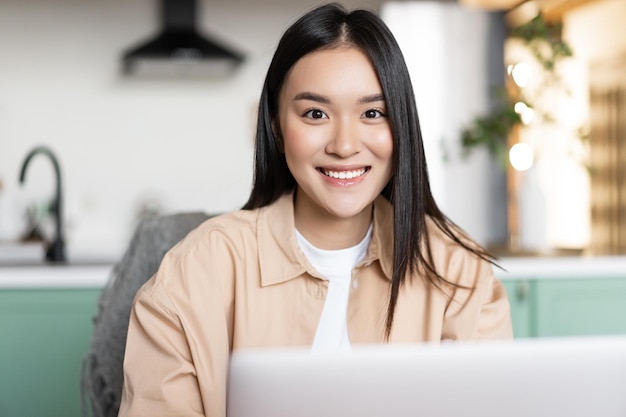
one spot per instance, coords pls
(344, 175)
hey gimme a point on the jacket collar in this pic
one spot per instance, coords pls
(280, 256)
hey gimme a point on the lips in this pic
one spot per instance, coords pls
(344, 174)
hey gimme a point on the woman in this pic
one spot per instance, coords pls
(340, 242)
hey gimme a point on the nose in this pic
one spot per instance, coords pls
(345, 140)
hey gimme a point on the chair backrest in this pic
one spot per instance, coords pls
(102, 366)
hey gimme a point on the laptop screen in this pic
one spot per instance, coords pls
(569, 377)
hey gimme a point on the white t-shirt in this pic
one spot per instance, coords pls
(336, 266)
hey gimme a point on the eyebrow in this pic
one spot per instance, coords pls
(325, 100)
(371, 98)
(312, 97)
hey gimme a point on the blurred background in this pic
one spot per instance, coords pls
(177, 135)
(108, 117)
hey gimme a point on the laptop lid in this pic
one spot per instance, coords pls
(571, 377)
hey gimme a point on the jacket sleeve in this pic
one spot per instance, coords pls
(170, 367)
(159, 376)
(480, 308)
(494, 319)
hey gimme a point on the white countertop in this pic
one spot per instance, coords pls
(562, 267)
(22, 266)
(95, 275)
(54, 276)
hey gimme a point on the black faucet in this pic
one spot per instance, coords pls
(55, 251)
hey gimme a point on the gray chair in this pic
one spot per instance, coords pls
(102, 366)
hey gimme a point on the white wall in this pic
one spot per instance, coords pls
(181, 144)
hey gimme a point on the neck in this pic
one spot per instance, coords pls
(325, 231)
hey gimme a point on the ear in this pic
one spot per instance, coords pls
(278, 136)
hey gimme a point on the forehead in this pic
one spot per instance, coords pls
(341, 70)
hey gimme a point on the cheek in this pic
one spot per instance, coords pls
(300, 140)
(382, 144)
(382, 147)
(292, 143)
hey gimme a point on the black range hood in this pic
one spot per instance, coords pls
(179, 45)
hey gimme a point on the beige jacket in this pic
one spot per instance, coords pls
(240, 280)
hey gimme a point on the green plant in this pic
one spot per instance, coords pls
(551, 47)
(492, 130)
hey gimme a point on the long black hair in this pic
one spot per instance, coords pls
(408, 191)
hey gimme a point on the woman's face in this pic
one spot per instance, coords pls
(335, 133)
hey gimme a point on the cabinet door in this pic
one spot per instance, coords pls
(571, 307)
(43, 336)
(520, 293)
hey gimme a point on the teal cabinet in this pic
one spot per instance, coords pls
(580, 307)
(43, 336)
(567, 307)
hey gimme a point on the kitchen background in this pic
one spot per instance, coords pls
(131, 144)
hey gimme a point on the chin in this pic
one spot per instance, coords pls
(347, 211)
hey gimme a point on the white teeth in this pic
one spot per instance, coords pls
(342, 175)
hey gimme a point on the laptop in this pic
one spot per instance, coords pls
(564, 377)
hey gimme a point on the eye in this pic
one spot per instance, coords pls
(315, 114)
(373, 114)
